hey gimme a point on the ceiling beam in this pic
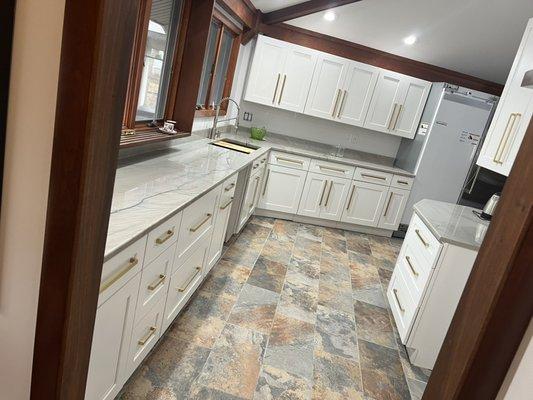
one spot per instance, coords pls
(242, 10)
(302, 9)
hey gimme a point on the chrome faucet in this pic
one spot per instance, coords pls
(214, 133)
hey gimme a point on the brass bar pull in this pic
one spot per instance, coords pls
(504, 146)
(403, 183)
(388, 205)
(323, 191)
(229, 187)
(374, 177)
(426, 244)
(158, 282)
(289, 160)
(132, 262)
(496, 158)
(164, 237)
(276, 90)
(181, 290)
(255, 191)
(341, 107)
(397, 117)
(227, 204)
(336, 102)
(408, 259)
(255, 166)
(398, 300)
(142, 341)
(266, 182)
(329, 193)
(332, 169)
(392, 116)
(350, 199)
(282, 88)
(207, 218)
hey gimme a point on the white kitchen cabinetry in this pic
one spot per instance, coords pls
(323, 196)
(280, 75)
(282, 189)
(512, 115)
(394, 208)
(365, 204)
(397, 104)
(250, 199)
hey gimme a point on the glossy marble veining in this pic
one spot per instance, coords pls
(452, 223)
(309, 323)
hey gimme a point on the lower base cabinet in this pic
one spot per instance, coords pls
(394, 208)
(323, 196)
(282, 189)
(365, 204)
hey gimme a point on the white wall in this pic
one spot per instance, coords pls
(33, 88)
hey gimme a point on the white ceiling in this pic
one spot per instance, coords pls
(476, 37)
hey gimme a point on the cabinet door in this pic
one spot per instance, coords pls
(512, 115)
(111, 341)
(296, 79)
(326, 88)
(282, 189)
(335, 198)
(394, 208)
(385, 101)
(413, 100)
(265, 73)
(365, 203)
(248, 203)
(358, 87)
(219, 228)
(313, 195)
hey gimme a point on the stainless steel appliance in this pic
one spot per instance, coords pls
(490, 207)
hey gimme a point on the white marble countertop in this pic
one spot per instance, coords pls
(452, 223)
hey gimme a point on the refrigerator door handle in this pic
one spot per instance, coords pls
(474, 179)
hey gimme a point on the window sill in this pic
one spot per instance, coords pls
(209, 113)
(143, 137)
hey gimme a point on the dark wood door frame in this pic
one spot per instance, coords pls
(96, 49)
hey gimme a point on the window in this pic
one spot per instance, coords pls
(219, 64)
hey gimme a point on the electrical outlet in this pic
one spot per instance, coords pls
(353, 139)
(247, 116)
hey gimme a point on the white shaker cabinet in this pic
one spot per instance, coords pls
(394, 208)
(365, 203)
(323, 196)
(282, 189)
(512, 115)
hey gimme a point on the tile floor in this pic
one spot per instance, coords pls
(291, 311)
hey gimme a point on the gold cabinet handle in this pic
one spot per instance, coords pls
(158, 282)
(151, 332)
(329, 193)
(403, 182)
(388, 205)
(392, 116)
(266, 182)
(290, 160)
(276, 90)
(132, 262)
(165, 236)
(341, 107)
(507, 137)
(183, 289)
(336, 103)
(229, 187)
(255, 191)
(426, 244)
(255, 166)
(408, 259)
(398, 300)
(350, 199)
(323, 191)
(282, 88)
(400, 107)
(207, 218)
(374, 177)
(332, 169)
(496, 158)
(227, 204)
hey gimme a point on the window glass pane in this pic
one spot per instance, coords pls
(222, 65)
(209, 60)
(160, 44)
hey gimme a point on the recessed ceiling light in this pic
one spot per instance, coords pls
(410, 40)
(329, 16)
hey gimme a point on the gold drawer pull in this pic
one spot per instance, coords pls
(158, 282)
(255, 166)
(374, 177)
(426, 244)
(408, 259)
(132, 262)
(142, 341)
(388, 205)
(290, 160)
(207, 218)
(227, 204)
(351, 197)
(403, 182)
(164, 237)
(398, 300)
(229, 187)
(181, 290)
(266, 182)
(332, 169)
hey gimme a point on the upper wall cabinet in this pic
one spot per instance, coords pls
(397, 104)
(513, 113)
(280, 75)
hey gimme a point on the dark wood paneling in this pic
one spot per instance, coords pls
(95, 54)
(7, 16)
(302, 9)
(191, 70)
(497, 304)
(240, 10)
(375, 57)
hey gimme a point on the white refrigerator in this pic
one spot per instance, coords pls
(450, 134)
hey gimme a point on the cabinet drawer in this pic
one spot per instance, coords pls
(332, 169)
(121, 268)
(228, 187)
(415, 270)
(402, 182)
(402, 305)
(289, 160)
(422, 242)
(197, 221)
(259, 162)
(154, 282)
(372, 176)
(162, 237)
(184, 282)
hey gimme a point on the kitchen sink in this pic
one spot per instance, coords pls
(235, 145)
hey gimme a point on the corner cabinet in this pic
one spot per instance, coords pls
(513, 113)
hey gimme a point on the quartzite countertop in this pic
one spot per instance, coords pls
(452, 223)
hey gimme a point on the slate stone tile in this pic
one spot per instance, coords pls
(285, 230)
(306, 250)
(299, 297)
(334, 268)
(312, 232)
(226, 277)
(334, 233)
(276, 383)
(246, 248)
(416, 388)
(336, 297)
(358, 243)
(290, 346)
(373, 324)
(255, 309)
(334, 245)
(382, 372)
(268, 274)
(234, 362)
(278, 250)
(199, 392)
(366, 284)
(263, 221)
(335, 334)
(336, 378)
(384, 276)
(167, 373)
(310, 269)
